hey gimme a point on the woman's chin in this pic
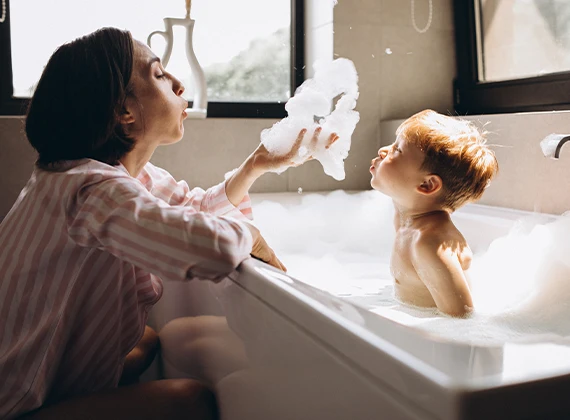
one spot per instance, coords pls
(181, 132)
(173, 139)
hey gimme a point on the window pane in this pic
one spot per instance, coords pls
(245, 55)
(523, 38)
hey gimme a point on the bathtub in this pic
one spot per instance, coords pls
(275, 347)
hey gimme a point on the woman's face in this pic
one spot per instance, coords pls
(157, 107)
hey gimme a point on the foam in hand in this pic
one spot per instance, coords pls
(312, 101)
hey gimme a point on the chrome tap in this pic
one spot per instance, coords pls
(559, 146)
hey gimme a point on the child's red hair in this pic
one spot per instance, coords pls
(455, 150)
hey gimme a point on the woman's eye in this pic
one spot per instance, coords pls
(159, 76)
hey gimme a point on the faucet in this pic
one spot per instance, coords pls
(552, 144)
(559, 146)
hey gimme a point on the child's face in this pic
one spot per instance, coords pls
(396, 171)
(158, 107)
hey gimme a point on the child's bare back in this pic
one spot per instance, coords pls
(429, 259)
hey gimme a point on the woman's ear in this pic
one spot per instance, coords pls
(127, 116)
(430, 185)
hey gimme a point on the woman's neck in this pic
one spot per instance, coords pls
(136, 159)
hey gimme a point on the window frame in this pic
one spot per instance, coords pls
(471, 97)
(9, 105)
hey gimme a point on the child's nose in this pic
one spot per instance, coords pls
(382, 152)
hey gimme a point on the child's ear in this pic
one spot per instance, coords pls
(430, 185)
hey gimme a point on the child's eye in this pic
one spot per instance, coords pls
(159, 76)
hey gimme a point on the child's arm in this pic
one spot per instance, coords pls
(439, 268)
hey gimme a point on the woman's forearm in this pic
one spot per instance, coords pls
(239, 183)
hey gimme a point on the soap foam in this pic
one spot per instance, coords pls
(341, 243)
(310, 108)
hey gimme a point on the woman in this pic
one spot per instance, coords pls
(97, 228)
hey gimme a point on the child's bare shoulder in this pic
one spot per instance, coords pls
(436, 232)
(437, 239)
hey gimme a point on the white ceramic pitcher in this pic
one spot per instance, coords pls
(200, 102)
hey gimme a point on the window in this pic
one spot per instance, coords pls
(253, 62)
(512, 56)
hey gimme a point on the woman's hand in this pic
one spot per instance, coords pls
(261, 250)
(263, 161)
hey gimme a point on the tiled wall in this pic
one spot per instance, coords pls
(417, 74)
(402, 71)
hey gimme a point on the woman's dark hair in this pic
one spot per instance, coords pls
(74, 112)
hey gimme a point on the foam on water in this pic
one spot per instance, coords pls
(341, 243)
(312, 101)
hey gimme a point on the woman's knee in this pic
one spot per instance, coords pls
(149, 340)
(193, 398)
(140, 357)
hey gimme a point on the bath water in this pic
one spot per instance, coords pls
(341, 243)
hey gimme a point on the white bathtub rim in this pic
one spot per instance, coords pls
(400, 372)
(290, 301)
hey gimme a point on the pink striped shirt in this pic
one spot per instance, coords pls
(82, 254)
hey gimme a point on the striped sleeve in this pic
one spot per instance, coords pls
(213, 200)
(121, 217)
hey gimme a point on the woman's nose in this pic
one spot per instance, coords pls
(177, 86)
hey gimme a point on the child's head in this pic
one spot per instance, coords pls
(99, 95)
(453, 154)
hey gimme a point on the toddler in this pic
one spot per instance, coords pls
(436, 165)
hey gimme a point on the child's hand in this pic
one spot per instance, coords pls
(263, 161)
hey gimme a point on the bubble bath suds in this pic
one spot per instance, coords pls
(520, 284)
(310, 107)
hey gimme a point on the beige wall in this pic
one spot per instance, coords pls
(416, 75)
